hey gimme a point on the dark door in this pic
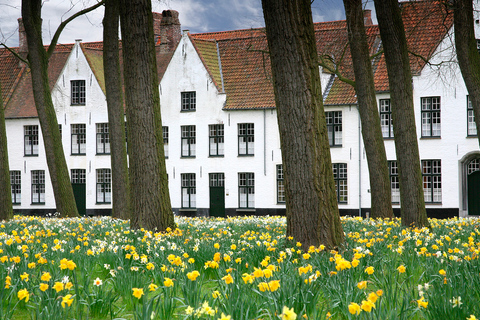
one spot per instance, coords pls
(217, 195)
(79, 187)
(473, 186)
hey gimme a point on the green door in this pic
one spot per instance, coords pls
(79, 187)
(217, 195)
(473, 186)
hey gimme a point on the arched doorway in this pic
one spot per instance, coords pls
(473, 186)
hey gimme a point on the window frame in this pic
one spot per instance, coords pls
(471, 125)
(336, 167)
(165, 137)
(103, 180)
(188, 139)
(78, 92)
(334, 128)
(429, 178)
(189, 190)
(31, 141)
(385, 110)
(38, 187)
(16, 186)
(188, 101)
(246, 132)
(280, 184)
(103, 138)
(76, 131)
(216, 139)
(78, 176)
(394, 181)
(429, 115)
(249, 190)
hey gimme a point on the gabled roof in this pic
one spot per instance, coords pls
(246, 64)
(208, 53)
(17, 88)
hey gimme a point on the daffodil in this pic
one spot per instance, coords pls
(152, 287)
(43, 287)
(369, 270)
(137, 292)
(58, 286)
(367, 305)
(67, 300)
(46, 277)
(422, 303)
(362, 284)
(23, 294)
(168, 282)
(354, 308)
(288, 314)
(401, 269)
(97, 282)
(224, 317)
(193, 275)
(228, 279)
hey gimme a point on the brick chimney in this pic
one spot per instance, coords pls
(367, 17)
(22, 37)
(167, 29)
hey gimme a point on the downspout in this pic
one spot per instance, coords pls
(264, 142)
(359, 164)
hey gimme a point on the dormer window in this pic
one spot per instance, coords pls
(189, 101)
(78, 92)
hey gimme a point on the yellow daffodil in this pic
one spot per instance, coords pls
(354, 308)
(362, 284)
(401, 269)
(168, 282)
(224, 317)
(367, 305)
(152, 287)
(43, 287)
(137, 292)
(442, 272)
(288, 314)
(23, 294)
(215, 294)
(193, 275)
(274, 285)
(422, 303)
(228, 279)
(472, 317)
(58, 286)
(369, 270)
(372, 297)
(67, 300)
(46, 277)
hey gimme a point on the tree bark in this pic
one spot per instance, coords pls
(311, 202)
(467, 53)
(381, 195)
(121, 204)
(38, 62)
(148, 175)
(394, 41)
(6, 210)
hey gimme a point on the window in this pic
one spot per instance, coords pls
(188, 141)
(246, 139)
(340, 177)
(386, 118)
(246, 190)
(216, 139)
(217, 179)
(471, 126)
(280, 184)
(394, 181)
(103, 139)
(334, 128)
(79, 139)
(104, 186)
(31, 140)
(165, 141)
(16, 186)
(189, 190)
(38, 187)
(78, 176)
(431, 117)
(189, 101)
(432, 180)
(78, 92)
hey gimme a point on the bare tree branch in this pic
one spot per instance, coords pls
(14, 53)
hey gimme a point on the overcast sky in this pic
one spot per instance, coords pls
(195, 15)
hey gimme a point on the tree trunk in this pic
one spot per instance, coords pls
(38, 62)
(148, 175)
(381, 195)
(6, 210)
(394, 41)
(467, 53)
(121, 205)
(311, 203)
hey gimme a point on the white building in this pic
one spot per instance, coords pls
(220, 126)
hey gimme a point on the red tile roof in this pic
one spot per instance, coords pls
(246, 64)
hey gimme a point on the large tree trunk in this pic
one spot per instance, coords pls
(148, 175)
(311, 203)
(6, 210)
(381, 195)
(121, 205)
(38, 62)
(394, 41)
(467, 53)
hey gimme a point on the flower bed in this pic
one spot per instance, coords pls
(236, 268)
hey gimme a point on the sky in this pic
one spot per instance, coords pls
(195, 15)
